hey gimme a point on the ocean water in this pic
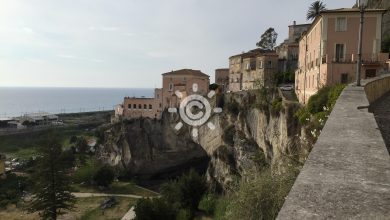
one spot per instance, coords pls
(16, 101)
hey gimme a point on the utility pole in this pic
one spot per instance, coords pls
(359, 61)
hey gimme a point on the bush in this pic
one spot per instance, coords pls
(104, 176)
(86, 173)
(265, 193)
(233, 107)
(185, 192)
(277, 104)
(207, 204)
(150, 209)
(221, 208)
(184, 214)
(11, 189)
(334, 94)
(318, 101)
(303, 115)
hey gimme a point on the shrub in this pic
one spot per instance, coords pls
(233, 107)
(303, 115)
(277, 104)
(150, 209)
(11, 189)
(207, 204)
(184, 214)
(317, 102)
(221, 208)
(334, 94)
(86, 173)
(104, 176)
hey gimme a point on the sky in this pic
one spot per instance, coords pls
(130, 43)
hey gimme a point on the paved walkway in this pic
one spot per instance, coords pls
(130, 215)
(381, 110)
(85, 195)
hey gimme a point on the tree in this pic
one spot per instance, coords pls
(315, 9)
(150, 209)
(51, 192)
(104, 176)
(268, 39)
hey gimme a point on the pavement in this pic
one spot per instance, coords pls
(130, 215)
(86, 195)
(381, 111)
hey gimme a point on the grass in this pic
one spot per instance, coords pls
(85, 208)
(24, 145)
(116, 188)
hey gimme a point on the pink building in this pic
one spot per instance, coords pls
(180, 80)
(328, 50)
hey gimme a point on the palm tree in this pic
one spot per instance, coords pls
(315, 9)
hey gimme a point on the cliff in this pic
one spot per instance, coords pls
(251, 133)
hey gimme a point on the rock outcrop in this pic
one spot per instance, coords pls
(246, 137)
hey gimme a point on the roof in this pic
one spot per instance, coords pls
(254, 53)
(300, 24)
(188, 72)
(223, 69)
(340, 10)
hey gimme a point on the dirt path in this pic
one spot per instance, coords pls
(130, 215)
(85, 195)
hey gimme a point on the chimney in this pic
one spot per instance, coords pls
(294, 23)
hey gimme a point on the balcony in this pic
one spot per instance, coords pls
(367, 58)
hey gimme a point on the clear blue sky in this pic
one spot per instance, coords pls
(129, 43)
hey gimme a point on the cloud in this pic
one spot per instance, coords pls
(72, 57)
(157, 54)
(104, 28)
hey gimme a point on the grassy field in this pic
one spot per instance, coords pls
(85, 209)
(24, 145)
(116, 188)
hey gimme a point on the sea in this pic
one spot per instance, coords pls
(17, 101)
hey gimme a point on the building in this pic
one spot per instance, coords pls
(222, 79)
(288, 51)
(182, 80)
(165, 97)
(2, 166)
(328, 50)
(257, 66)
(38, 118)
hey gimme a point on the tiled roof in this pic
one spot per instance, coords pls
(254, 53)
(188, 72)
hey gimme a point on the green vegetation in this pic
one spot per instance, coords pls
(51, 192)
(277, 104)
(213, 86)
(268, 39)
(318, 108)
(25, 145)
(179, 199)
(208, 203)
(11, 189)
(285, 77)
(104, 176)
(315, 9)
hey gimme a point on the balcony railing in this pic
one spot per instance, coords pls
(367, 58)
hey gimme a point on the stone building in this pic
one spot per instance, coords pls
(288, 50)
(257, 66)
(222, 79)
(165, 97)
(328, 50)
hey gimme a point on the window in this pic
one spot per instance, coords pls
(139, 106)
(150, 106)
(129, 106)
(341, 24)
(247, 66)
(260, 64)
(145, 106)
(134, 106)
(340, 51)
(160, 105)
(269, 64)
(170, 86)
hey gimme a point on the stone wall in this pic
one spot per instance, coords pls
(377, 87)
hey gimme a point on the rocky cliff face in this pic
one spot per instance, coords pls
(246, 137)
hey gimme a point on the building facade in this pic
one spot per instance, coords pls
(165, 97)
(328, 50)
(222, 79)
(255, 68)
(288, 51)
